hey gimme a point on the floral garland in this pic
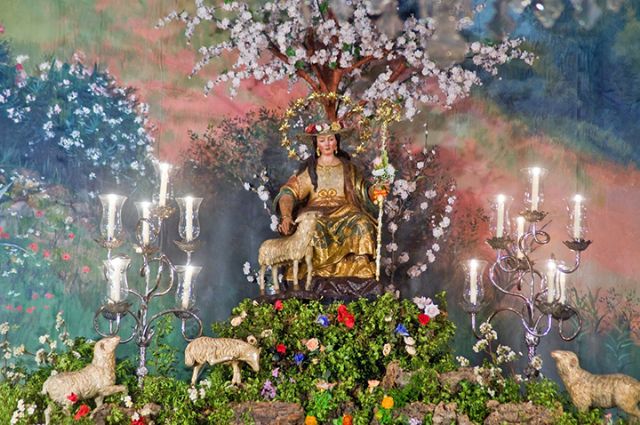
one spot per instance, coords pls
(363, 122)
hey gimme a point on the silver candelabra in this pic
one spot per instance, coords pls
(150, 235)
(540, 293)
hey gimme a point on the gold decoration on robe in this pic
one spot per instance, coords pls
(345, 238)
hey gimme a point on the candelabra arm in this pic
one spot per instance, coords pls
(184, 324)
(181, 313)
(577, 329)
(568, 270)
(494, 282)
(104, 309)
(163, 259)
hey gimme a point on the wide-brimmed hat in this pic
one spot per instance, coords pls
(323, 128)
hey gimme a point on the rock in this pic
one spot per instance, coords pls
(521, 413)
(447, 414)
(269, 413)
(148, 412)
(452, 379)
(394, 376)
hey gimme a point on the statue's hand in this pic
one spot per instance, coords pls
(286, 225)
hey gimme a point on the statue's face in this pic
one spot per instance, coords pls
(327, 144)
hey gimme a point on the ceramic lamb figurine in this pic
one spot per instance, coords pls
(213, 351)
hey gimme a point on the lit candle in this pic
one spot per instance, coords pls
(535, 187)
(577, 217)
(164, 183)
(189, 218)
(520, 230)
(145, 224)
(500, 199)
(111, 216)
(473, 281)
(186, 289)
(551, 280)
(563, 287)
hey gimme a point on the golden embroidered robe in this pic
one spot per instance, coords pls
(345, 238)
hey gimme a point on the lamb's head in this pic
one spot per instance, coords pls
(252, 357)
(308, 217)
(104, 350)
(565, 360)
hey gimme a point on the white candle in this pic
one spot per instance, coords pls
(577, 217)
(520, 233)
(535, 187)
(111, 216)
(186, 289)
(164, 183)
(145, 224)
(473, 281)
(189, 218)
(563, 287)
(551, 280)
(116, 274)
(500, 199)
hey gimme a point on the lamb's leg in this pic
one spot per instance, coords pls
(237, 378)
(196, 372)
(47, 415)
(274, 278)
(261, 279)
(309, 260)
(113, 389)
(296, 286)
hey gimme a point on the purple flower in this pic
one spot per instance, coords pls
(275, 372)
(298, 358)
(323, 320)
(268, 390)
(401, 330)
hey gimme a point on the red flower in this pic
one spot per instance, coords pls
(86, 269)
(278, 305)
(347, 420)
(71, 235)
(82, 411)
(310, 129)
(30, 309)
(39, 213)
(35, 296)
(19, 67)
(19, 309)
(139, 421)
(281, 348)
(423, 319)
(66, 256)
(33, 246)
(73, 397)
(345, 317)
(48, 295)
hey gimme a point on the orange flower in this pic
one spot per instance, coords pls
(387, 402)
(347, 420)
(310, 420)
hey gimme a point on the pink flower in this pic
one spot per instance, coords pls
(65, 256)
(8, 307)
(5, 235)
(39, 213)
(33, 246)
(86, 269)
(1, 29)
(19, 309)
(30, 309)
(19, 67)
(46, 253)
(35, 296)
(48, 295)
(278, 305)
(46, 307)
(71, 235)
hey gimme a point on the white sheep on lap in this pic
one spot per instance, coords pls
(275, 252)
(96, 380)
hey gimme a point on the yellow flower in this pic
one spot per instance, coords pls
(387, 402)
(310, 420)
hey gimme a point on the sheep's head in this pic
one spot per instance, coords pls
(105, 348)
(308, 216)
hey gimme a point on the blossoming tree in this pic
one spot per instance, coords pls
(306, 40)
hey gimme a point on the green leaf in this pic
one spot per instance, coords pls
(333, 65)
(300, 64)
(291, 51)
(324, 7)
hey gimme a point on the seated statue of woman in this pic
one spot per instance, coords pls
(344, 243)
